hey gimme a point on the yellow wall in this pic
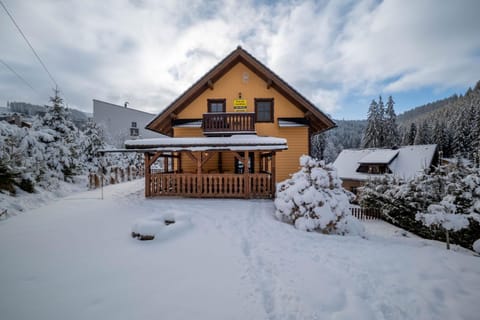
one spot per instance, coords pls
(228, 87)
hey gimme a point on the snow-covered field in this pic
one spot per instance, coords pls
(229, 259)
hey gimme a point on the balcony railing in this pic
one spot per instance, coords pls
(220, 185)
(228, 123)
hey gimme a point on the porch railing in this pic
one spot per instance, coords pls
(235, 122)
(211, 185)
(366, 213)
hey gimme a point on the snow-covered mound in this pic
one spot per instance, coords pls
(313, 200)
(476, 246)
(160, 226)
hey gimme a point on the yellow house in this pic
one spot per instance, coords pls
(235, 133)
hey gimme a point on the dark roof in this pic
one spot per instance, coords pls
(317, 119)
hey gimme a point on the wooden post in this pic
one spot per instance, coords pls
(246, 173)
(220, 164)
(179, 163)
(198, 157)
(274, 175)
(165, 164)
(147, 174)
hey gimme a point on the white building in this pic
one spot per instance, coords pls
(121, 123)
(356, 166)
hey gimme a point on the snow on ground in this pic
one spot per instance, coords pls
(24, 201)
(75, 259)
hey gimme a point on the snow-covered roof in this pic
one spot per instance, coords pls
(408, 162)
(380, 156)
(286, 123)
(233, 143)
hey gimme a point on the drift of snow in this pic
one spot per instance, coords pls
(75, 259)
(476, 246)
(161, 226)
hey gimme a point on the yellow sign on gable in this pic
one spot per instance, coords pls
(240, 103)
(240, 108)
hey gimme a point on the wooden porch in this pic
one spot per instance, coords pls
(172, 180)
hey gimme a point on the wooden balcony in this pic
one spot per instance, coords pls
(228, 123)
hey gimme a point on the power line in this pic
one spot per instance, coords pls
(18, 76)
(28, 42)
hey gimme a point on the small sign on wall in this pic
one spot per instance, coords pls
(240, 105)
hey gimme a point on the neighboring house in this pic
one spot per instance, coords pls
(121, 123)
(16, 120)
(236, 132)
(356, 166)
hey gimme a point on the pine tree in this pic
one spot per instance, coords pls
(370, 138)
(392, 137)
(380, 123)
(93, 140)
(424, 134)
(61, 150)
(462, 137)
(412, 133)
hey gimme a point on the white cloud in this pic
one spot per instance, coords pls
(326, 100)
(148, 52)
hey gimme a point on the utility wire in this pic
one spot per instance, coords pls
(18, 76)
(28, 42)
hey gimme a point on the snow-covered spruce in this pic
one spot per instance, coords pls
(313, 200)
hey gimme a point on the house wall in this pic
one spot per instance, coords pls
(117, 120)
(352, 185)
(229, 87)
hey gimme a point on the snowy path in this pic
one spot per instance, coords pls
(75, 259)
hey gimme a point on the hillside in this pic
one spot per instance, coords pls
(437, 122)
(78, 117)
(423, 111)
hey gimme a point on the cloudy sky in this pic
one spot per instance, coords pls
(339, 54)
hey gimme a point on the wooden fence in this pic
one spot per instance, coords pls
(114, 175)
(211, 185)
(366, 213)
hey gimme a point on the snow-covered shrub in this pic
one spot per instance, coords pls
(313, 200)
(447, 197)
(445, 216)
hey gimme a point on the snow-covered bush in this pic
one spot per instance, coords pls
(313, 200)
(445, 216)
(431, 203)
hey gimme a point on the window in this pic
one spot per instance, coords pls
(134, 124)
(216, 105)
(264, 110)
(134, 132)
(239, 165)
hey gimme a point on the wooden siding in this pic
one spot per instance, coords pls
(351, 185)
(228, 87)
